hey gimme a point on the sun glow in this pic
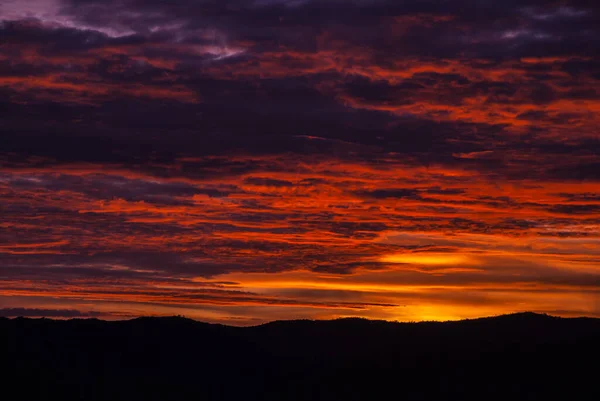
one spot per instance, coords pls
(429, 259)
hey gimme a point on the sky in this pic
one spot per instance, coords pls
(246, 161)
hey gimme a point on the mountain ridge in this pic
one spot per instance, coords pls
(179, 318)
(344, 359)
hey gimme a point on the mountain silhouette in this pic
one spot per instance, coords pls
(522, 356)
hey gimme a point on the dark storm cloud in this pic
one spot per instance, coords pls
(576, 209)
(590, 196)
(267, 182)
(117, 265)
(56, 40)
(214, 134)
(273, 115)
(107, 187)
(580, 171)
(447, 28)
(34, 312)
(392, 193)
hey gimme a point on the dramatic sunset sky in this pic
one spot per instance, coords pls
(250, 160)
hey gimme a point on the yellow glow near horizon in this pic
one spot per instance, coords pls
(429, 259)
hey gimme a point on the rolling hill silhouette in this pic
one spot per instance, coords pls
(521, 356)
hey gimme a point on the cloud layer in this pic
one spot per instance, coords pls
(244, 161)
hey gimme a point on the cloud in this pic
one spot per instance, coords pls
(153, 150)
(33, 312)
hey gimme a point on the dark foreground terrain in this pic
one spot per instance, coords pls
(513, 357)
